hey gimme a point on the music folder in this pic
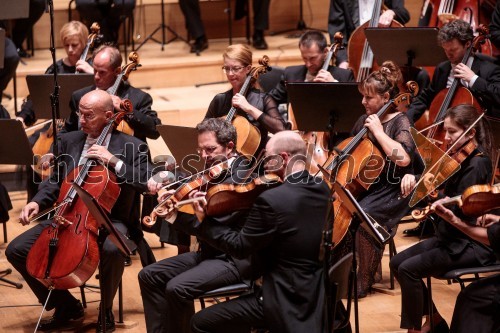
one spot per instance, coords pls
(14, 147)
(41, 86)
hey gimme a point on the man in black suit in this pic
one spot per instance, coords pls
(495, 29)
(107, 61)
(345, 17)
(170, 286)
(479, 75)
(313, 49)
(283, 230)
(125, 156)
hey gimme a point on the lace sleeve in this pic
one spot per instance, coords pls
(270, 118)
(400, 132)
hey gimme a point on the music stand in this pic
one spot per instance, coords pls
(14, 9)
(183, 150)
(41, 87)
(162, 27)
(406, 46)
(106, 229)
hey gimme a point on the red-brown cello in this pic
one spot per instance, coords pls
(65, 255)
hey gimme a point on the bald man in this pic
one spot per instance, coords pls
(123, 155)
(283, 232)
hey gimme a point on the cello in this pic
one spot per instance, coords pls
(91, 41)
(65, 255)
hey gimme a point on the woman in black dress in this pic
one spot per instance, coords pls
(450, 248)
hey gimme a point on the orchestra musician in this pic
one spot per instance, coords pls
(495, 28)
(382, 201)
(259, 108)
(479, 75)
(450, 248)
(283, 231)
(477, 305)
(170, 286)
(346, 15)
(123, 155)
(11, 60)
(313, 50)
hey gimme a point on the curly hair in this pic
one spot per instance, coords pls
(385, 80)
(457, 29)
(223, 129)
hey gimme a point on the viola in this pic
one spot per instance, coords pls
(122, 77)
(198, 180)
(247, 136)
(42, 147)
(359, 52)
(476, 200)
(91, 41)
(452, 96)
(65, 255)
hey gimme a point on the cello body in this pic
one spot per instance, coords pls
(76, 255)
(247, 136)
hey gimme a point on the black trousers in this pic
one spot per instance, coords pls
(478, 307)
(11, 61)
(23, 26)
(112, 260)
(421, 260)
(170, 286)
(192, 16)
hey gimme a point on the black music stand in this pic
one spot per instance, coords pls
(183, 151)
(106, 229)
(18, 153)
(41, 87)
(406, 46)
(162, 27)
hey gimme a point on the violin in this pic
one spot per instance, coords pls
(248, 136)
(65, 255)
(91, 41)
(203, 178)
(123, 126)
(453, 96)
(476, 200)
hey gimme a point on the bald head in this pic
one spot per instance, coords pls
(288, 142)
(98, 100)
(96, 107)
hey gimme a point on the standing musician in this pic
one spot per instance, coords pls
(480, 76)
(391, 135)
(106, 61)
(169, 287)
(346, 15)
(450, 248)
(123, 155)
(313, 49)
(258, 107)
(476, 308)
(283, 231)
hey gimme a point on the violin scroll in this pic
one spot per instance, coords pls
(264, 67)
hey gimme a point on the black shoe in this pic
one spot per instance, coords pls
(64, 317)
(22, 53)
(420, 229)
(110, 322)
(200, 44)
(259, 42)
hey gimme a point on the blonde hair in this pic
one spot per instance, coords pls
(239, 52)
(74, 28)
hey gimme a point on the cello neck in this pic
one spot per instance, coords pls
(243, 91)
(114, 88)
(377, 9)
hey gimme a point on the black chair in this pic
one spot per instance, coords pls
(225, 292)
(120, 298)
(461, 276)
(341, 280)
(270, 79)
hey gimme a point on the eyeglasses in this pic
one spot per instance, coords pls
(207, 150)
(87, 117)
(234, 69)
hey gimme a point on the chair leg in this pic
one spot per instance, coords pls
(120, 302)
(5, 232)
(82, 293)
(430, 303)
(7, 272)
(202, 303)
(392, 253)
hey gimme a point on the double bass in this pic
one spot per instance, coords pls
(65, 255)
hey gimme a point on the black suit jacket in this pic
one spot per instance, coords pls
(284, 229)
(344, 17)
(143, 120)
(486, 88)
(298, 74)
(132, 178)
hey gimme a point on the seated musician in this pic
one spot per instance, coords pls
(259, 108)
(169, 287)
(73, 36)
(125, 156)
(495, 31)
(450, 248)
(106, 61)
(479, 75)
(382, 200)
(313, 50)
(283, 232)
(346, 15)
(476, 308)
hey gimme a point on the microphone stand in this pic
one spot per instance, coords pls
(54, 97)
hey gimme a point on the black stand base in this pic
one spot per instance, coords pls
(162, 42)
(7, 272)
(301, 26)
